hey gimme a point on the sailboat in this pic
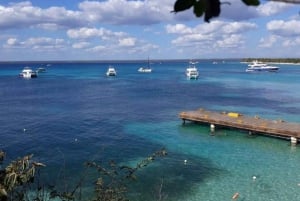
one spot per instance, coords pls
(145, 69)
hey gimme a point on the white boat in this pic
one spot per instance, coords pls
(40, 70)
(259, 66)
(191, 71)
(27, 72)
(111, 71)
(145, 69)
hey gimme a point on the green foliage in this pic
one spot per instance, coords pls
(210, 8)
(251, 2)
(18, 173)
(17, 178)
(199, 8)
(111, 183)
(181, 5)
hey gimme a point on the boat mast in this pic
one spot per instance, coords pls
(148, 62)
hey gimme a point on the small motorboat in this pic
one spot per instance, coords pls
(27, 72)
(111, 71)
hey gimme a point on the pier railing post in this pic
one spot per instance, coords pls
(294, 140)
(212, 129)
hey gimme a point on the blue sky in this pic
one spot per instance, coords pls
(136, 29)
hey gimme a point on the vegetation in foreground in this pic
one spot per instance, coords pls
(21, 176)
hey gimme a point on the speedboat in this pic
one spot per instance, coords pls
(259, 66)
(27, 72)
(191, 71)
(111, 71)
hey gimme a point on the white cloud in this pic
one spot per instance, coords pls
(232, 41)
(178, 29)
(81, 45)
(272, 8)
(24, 15)
(128, 12)
(217, 33)
(12, 41)
(295, 42)
(284, 28)
(238, 27)
(127, 42)
(86, 33)
(269, 41)
(237, 10)
(112, 42)
(39, 43)
(99, 48)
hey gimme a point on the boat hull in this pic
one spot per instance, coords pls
(145, 70)
(265, 69)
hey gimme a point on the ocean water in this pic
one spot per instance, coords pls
(73, 113)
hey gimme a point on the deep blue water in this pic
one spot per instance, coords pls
(73, 113)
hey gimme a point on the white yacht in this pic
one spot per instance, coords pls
(259, 66)
(111, 71)
(27, 72)
(191, 71)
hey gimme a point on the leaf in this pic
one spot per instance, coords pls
(251, 2)
(212, 9)
(199, 7)
(181, 5)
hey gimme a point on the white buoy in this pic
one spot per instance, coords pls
(254, 178)
(185, 161)
(24, 130)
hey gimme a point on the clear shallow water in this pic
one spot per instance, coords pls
(74, 113)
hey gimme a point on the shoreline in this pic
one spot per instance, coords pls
(278, 63)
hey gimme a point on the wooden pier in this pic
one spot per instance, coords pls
(275, 128)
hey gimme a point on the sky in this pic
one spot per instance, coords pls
(39, 30)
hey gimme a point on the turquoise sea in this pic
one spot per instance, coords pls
(73, 113)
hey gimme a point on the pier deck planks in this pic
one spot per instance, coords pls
(254, 124)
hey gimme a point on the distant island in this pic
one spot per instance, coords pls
(274, 60)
